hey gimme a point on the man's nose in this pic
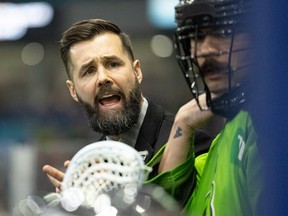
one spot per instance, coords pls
(103, 76)
(206, 47)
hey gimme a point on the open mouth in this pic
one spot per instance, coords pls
(109, 100)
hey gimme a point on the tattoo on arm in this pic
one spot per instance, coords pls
(178, 133)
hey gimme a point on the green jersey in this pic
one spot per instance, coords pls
(229, 175)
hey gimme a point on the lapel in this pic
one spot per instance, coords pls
(149, 130)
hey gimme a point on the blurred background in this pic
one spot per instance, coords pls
(39, 122)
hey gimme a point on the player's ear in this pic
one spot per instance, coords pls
(137, 70)
(72, 89)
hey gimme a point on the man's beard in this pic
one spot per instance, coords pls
(114, 122)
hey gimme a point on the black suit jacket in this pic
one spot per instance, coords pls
(155, 129)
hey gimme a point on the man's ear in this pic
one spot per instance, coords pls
(72, 89)
(137, 70)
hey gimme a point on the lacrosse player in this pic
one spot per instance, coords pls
(213, 47)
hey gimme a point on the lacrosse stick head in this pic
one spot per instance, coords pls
(99, 168)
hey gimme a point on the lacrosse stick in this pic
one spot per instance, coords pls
(104, 179)
(99, 168)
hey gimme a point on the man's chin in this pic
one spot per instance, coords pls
(104, 113)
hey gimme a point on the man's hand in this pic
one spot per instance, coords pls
(190, 117)
(55, 176)
(187, 120)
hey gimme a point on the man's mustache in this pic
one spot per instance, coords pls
(107, 88)
(211, 65)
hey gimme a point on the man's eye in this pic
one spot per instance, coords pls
(90, 70)
(113, 65)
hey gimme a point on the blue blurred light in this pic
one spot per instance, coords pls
(161, 13)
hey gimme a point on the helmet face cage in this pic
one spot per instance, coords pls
(196, 19)
(188, 62)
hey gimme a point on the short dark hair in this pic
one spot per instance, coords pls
(86, 30)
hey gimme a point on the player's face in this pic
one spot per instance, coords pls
(213, 59)
(104, 79)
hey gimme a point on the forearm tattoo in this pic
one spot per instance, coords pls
(178, 133)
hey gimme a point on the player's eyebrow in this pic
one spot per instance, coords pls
(102, 59)
(111, 58)
(86, 65)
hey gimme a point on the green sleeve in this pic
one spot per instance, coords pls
(179, 181)
(199, 165)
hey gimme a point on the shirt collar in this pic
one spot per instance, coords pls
(130, 137)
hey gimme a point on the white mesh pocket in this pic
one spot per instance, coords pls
(103, 166)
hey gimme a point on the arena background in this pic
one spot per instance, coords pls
(40, 123)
